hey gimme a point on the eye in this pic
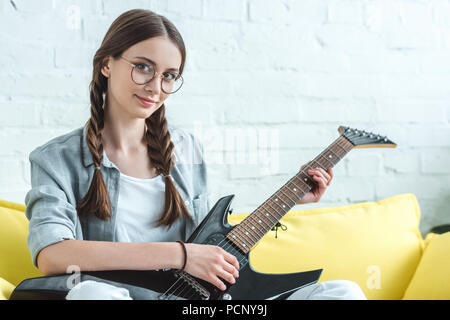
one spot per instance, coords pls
(170, 76)
(144, 67)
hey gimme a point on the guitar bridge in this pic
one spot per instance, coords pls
(199, 289)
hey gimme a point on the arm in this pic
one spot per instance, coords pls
(207, 262)
(104, 255)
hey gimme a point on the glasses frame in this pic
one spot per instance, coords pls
(160, 75)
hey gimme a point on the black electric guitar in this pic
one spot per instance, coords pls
(238, 240)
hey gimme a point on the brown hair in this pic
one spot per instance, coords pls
(128, 29)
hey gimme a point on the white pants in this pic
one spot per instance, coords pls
(328, 290)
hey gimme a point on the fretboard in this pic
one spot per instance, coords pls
(246, 234)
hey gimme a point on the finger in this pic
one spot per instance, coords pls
(231, 269)
(228, 277)
(321, 181)
(218, 283)
(324, 173)
(231, 259)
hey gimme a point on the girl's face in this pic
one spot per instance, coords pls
(123, 92)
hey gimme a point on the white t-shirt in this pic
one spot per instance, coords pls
(140, 205)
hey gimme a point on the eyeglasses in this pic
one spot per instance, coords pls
(142, 73)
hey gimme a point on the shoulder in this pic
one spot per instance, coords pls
(63, 146)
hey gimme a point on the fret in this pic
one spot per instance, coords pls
(281, 190)
(345, 151)
(253, 226)
(305, 179)
(239, 242)
(326, 158)
(248, 232)
(235, 234)
(276, 204)
(295, 188)
(267, 216)
(259, 220)
(276, 210)
(339, 158)
(281, 199)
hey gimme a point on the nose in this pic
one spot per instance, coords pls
(155, 84)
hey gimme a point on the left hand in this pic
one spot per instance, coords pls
(323, 179)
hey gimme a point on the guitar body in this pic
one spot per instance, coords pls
(167, 284)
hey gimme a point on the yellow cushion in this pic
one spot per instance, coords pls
(6, 289)
(432, 277)
(15, 258)
(375, 244)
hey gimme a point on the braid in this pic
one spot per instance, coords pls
(160, 150)
(97, 199)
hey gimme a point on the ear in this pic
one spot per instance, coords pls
(106, 67)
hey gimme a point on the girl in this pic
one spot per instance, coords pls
(119, 192)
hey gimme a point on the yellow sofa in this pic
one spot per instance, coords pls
(376, 244)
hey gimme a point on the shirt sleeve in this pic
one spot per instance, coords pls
(51, 217)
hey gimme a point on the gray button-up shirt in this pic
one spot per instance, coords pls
(62, 171)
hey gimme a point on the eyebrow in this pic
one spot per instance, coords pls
(153, 62)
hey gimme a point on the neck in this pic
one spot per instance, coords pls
(123, 134)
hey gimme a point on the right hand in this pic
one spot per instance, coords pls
(209, 262)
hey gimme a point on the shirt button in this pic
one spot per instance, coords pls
(186, 202)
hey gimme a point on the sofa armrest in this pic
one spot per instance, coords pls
(432, 276)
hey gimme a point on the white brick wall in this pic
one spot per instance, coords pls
(279, 75)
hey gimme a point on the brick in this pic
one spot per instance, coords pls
(260, 110)
(405, 110)
(437, 162)
(441, 13)
(231, 10)
(11, 170)
(344, 86)
(185, 8)
(265, 10)
(65, 114)
(425, 187)
(348, 38)
(341, 112)
(114, 8)
(21, 141)
(414, 86)
(19, 114)
(306, 136)
(52, 84)
(79, 56)
(403, 161)
(348, 11)
(364, 163)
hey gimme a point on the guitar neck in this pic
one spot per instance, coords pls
(246, 234)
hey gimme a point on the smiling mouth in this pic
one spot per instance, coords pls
(146, 100)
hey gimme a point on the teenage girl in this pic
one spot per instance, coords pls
(118, 193)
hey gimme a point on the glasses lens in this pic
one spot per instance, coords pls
(142, 73)
(172, 85)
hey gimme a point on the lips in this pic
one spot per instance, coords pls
(145, 99)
